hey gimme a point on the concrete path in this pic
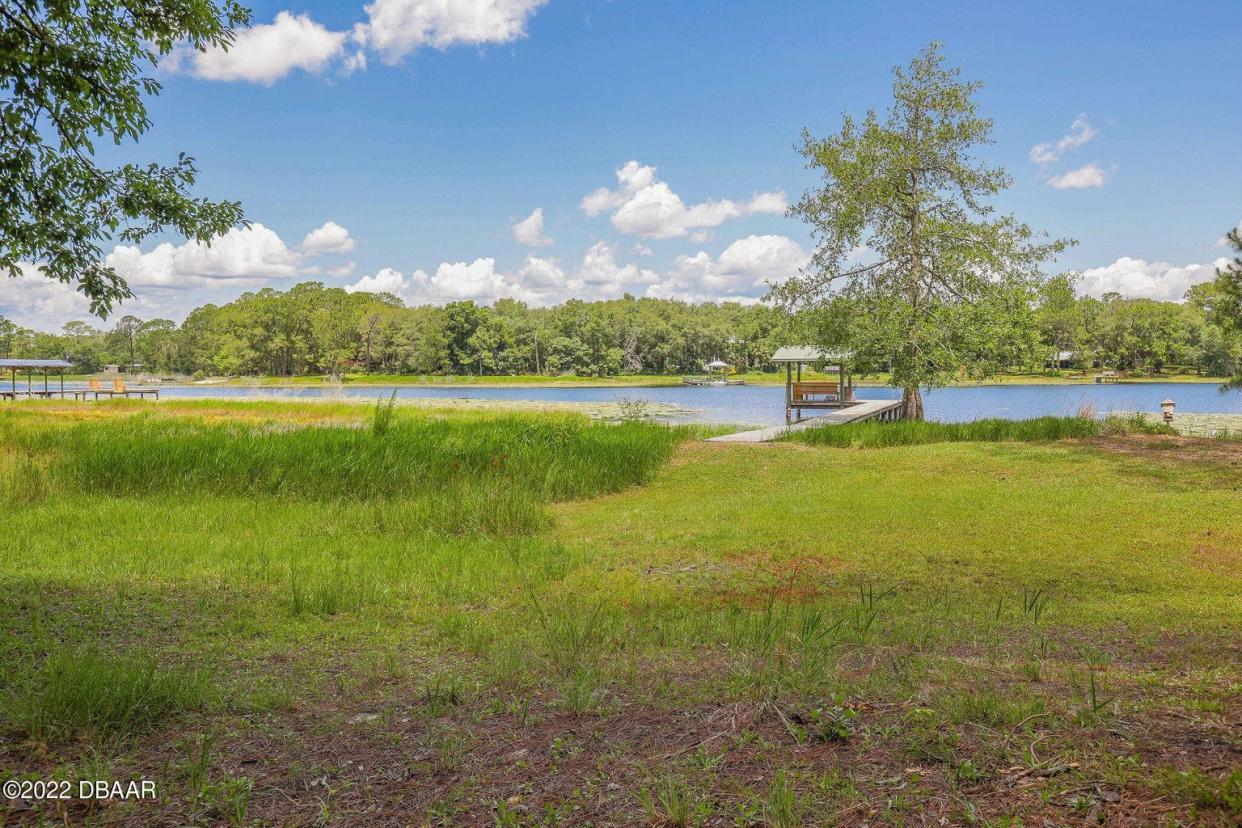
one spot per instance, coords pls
(860, 411)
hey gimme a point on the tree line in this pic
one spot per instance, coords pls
(312, 329)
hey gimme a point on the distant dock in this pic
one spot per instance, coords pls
(711, 381)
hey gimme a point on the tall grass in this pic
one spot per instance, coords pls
(385, 414)
(873, 434)
(86, 692)
(399, 456)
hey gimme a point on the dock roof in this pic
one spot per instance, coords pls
(10, 364)
(806, 353)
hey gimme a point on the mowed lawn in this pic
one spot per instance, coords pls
(331, 614)
(1149, 534)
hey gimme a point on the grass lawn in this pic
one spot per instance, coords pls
(292, 614)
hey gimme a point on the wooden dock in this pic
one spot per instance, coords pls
(861, 411)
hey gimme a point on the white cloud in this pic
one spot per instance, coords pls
(267, 52)
(598, 276)
(1080, 133)
(601, 275)
(741, 272)
(245, 255)
(541, 276)
(1090, 175)
(341, 272)
(529, 231)
(395, 28)
(170, 279)
(771, 203)
(33, 300)
(1136, 278)
(456, 281)
(763, 257)
(264, 53)
(355, 62)
(538, 281)
(386, 280)
(643, 205)
(329, 237)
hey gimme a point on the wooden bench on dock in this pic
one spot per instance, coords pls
(826, 393)
(96, 388)
(809, 392)
(119, 387)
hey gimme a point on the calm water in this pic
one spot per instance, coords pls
(763, 405)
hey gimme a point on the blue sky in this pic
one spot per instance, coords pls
(470, 114)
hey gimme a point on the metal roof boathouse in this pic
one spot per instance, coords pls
(30, 366)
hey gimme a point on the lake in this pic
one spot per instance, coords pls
(765, 404)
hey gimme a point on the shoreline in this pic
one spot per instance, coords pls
(649, 381)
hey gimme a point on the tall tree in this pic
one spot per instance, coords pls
(1226, 309)
(1060, 317)
(461, 319)
(909, 190)
(126, 336)
(7, 331)
(158, 346)
(73, 71)
(370, 329)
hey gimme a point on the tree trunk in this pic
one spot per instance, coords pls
(911, 403)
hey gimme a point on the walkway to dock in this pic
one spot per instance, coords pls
(857, 413)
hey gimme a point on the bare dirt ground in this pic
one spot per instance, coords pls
(392, 751)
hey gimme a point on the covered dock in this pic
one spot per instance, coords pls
(834, 396)
(814, 394)
(717, 374)
(30, 367)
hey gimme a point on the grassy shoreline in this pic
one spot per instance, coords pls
(655, 381)
(320, 613)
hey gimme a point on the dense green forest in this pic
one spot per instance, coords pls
(313, 329)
